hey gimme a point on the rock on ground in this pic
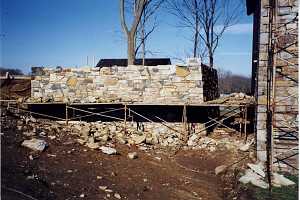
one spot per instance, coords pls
(246, 146)
(118, 196)
(132, 155)
(220, 169)
(257, 168)
(253, 178)
(138, 139)
(93, 145)
(35, 144)
(108, 150)
(280, 180)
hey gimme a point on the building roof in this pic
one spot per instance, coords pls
(251, 5)
(123, 62)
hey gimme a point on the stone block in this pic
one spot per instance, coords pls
(182, 71)
(72, 81)
(110, 81)
(35, 84)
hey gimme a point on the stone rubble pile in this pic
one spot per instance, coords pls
(211, 144)
(256, 176)
(100, 135)
(233, 99)
(94, 135)
(153, 134)
(164, 84)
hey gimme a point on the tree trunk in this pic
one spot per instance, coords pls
(131, 49)
(211, 59)
(195, 42)
(144, 52)
(195, 52)
(143, 39)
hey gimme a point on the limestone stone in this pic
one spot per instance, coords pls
(108, 150)
(93, 145)
(220, 169)
(35, 144)
(132, 155)
(72, 81)
(152, 84)
(182, 71)
(138, 139)
(110, 81)
(280, 180)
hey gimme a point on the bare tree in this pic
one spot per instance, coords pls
(147, 26)
(188, 13)
(208, 20)
(139, 6)
(215, 17)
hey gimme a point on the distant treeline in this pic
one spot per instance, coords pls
(230, 83)
(3, 71)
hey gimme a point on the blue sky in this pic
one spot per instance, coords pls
(65, 32)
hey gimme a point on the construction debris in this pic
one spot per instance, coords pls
(108, 150)
(246, 146)
(255, 176)
(234, 99)
(251, 177)
(257, 168)
(158, 158)
(132, 155)
(279, 180)
(220, 169)
(138, 139)
(118, 196)
(94, 134)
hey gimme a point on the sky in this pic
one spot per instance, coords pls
(65, 32)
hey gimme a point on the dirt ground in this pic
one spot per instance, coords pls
(68, 170)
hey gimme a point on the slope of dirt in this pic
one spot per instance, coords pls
(67, 170)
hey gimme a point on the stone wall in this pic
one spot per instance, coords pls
(285, 92)
(165, 84)
(210, 83)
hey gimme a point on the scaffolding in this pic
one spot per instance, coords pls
(282, 41)
(127, 113)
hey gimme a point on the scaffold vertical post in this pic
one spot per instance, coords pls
(245, 122)
(184, 121)
(125, 117)
(67, 114)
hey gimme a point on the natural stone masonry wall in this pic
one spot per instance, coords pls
(286, 87)
(165, 84)
(210, 83)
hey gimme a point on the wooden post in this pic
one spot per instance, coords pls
(66, 114)
(125, 118)
(184, 122)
